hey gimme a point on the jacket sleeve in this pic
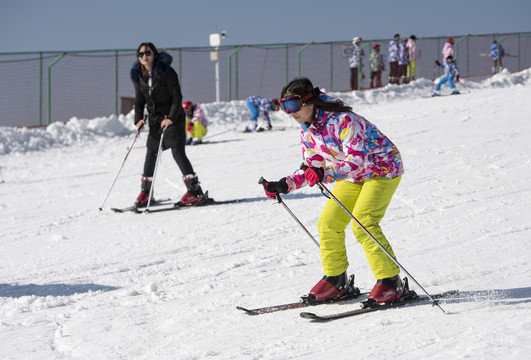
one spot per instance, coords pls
(140, 102)
(176, 112)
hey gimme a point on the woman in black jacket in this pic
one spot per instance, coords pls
(157, 88)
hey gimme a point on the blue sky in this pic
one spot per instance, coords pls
(49, 25)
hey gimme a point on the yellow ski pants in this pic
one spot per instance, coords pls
(367, 201)
(198, 130)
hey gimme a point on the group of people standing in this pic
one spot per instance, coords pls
(402, 58)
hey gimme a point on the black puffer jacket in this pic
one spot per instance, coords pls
(164, 98)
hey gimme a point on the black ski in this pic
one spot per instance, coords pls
(180, 205)
(309, 300)
(364, 310)
(300, 304)
(135, 208)
(440, 95)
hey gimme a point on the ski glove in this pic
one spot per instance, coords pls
(437, 63)
(313, 174)
(457, 78)
(274, 188)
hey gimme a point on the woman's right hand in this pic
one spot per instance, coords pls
(141, 123)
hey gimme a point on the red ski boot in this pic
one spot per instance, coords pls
(195, 193)
(386, 290)
(142, 199)
(329, 287)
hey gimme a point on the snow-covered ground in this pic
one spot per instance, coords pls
(80, 283)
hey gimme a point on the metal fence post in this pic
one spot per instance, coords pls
(116, 86)
(410, 65)
(50, 86)
(499, 55)
(331, 67)
(457, 51)
(360, 78)
(41, 70)
(229, 82)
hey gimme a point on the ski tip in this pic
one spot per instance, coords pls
(247, 311)
(312, 316)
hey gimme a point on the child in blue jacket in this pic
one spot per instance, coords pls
(451, 72)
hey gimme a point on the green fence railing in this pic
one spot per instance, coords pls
(88, 84)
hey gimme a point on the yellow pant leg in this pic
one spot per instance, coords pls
(198, 130)
(411, 67)
(332, 224)
(367, 201)
(373, 200)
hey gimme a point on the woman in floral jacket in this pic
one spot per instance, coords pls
(343, 147)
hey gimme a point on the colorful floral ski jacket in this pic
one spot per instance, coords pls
(262, 104)
(198, 115)
(348, 147)
(494, 51)
(414, 54)
(353, 60)
(450, 70)
(377, 61)
(403, 54)
(448, 49)
(393, 51)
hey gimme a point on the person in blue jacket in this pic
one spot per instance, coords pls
(451, 72)
(496, 53)
(256, 105)
(394, 74)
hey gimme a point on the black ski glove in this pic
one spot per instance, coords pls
(437, 63)
(274, 188)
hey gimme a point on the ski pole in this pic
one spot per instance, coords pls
(434, 77)
(262, 181)
(155, 172)
(330, 195)
(120, 170)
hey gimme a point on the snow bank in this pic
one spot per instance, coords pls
(21, 140)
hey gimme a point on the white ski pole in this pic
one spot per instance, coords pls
(159, 153)
(323, 189)
(120, 170)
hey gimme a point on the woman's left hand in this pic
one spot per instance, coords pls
(165, 123)
(313, 175)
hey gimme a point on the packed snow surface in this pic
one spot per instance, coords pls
(80, 283)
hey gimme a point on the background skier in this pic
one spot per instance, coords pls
(157, 88)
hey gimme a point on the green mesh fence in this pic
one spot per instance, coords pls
(41, 87)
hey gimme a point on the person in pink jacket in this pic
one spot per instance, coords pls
(414, 54)
(448, 49)
(341, 146)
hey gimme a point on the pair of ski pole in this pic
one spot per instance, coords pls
(123, 162)
(327, 193)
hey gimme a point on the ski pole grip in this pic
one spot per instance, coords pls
(264, 182)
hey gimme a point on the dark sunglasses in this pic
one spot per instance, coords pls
(293, 103)
(141, 54)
